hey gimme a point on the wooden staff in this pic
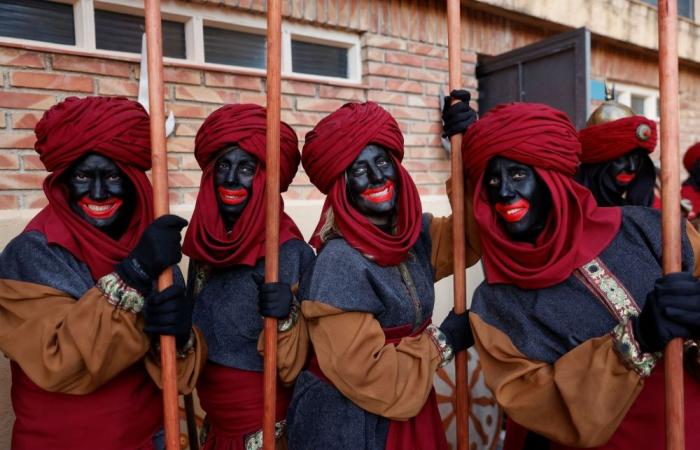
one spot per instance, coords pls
(154, 47)
(454, 41)
(670, 200)
(272, 189)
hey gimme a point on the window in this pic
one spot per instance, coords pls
(123, 32)
(37, 20)
(685, 7)
(319, 59)
(236, 48)
(642, 100)
(637, 103)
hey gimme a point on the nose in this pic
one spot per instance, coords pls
(376, 176)
(506, 191)
(231, 178)
(97, 189)
(632, 165)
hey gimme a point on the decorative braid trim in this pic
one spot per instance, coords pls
(291, 320)
(440, 340)
(119, 294)
(254, 441)
(629, 352)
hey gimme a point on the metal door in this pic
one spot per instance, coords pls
(555, 71)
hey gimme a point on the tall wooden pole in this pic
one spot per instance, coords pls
(272, 189)
(458, 231)
(671, 212)
(154, 49)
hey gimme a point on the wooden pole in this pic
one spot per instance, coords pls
(458, 230)
(671, 213)
(154, 49)
(272, 189)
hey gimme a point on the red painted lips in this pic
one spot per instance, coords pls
(625, 177)
(380, 194)
(232, 196)
(100, 210)
(513, 212)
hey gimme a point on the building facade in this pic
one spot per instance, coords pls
(393, 52)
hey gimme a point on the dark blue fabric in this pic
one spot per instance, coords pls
(30, 258)
(545, 324)
(226, 310)
(320, 417)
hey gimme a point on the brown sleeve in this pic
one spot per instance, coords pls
(188, 368)
(387, 380)
(292, 350)
(694, 238)
(441, 238)
(64, 345)
(578, 401)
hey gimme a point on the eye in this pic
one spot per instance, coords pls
(493, 181)
(358, 171)
(114, 177)
(247, 169)
(519, 175)
(382, 162)
(222, 165)
(80, 177)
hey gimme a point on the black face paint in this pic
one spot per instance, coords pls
(101, 194)
(234, 171)
(622, 171)
(371, 184)
(695, 174)
(521, 199)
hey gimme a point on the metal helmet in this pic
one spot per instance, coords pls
(610, 110)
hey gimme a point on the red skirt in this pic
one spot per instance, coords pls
(123, 414)
(233, 401)
(425, 430)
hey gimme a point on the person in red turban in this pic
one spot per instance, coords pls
(370, 299)
(690, 190)
(78, 308)
(615, 163)
(226, 245)
(569, 331)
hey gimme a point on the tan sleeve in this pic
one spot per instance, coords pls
(442, 256)
(578, 401)
(694, 238)
(64, 345)
(292, 350)
(188, 368)
(387, 380)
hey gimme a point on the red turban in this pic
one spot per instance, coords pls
(610, 140)
(691, 156)
(576, 231)
(330, 148)
(116, 128)
(207, 239)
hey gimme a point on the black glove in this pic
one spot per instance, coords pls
(457, 330)
(158, 249)
(672, 310)
(274, 299)
(458, 117)
(169, 312)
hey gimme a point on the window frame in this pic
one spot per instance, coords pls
(195, 17)
(624, 92)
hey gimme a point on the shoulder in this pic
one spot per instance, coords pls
(297, 249)
(29, 257)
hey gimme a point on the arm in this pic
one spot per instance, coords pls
(387, 380)
(70, 346)
(584, 395)
(189, 364)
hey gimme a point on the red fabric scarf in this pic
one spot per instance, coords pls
(115, 128)
(691, 156)
(577, 229)
(207, 239)
(330, 148)
(610, 140)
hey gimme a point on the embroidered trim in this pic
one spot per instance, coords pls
(440, 340)
(291, 320)
(254, 441)
(119, 294)
(609, 290)
(628, 349)
(412, 292)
